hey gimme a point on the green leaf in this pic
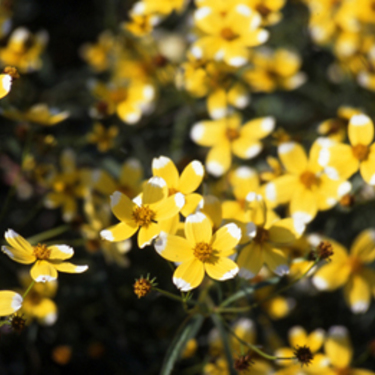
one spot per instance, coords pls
(224, 337)
(187, 331)
(248, 290)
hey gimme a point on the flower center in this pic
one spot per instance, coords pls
(262, 235)
(143, 216)
(309, 179)
(360, 152)
(343, 371)
(263, 10)
(41, 252)
(355, 264)
(228, 34)
(202, 251)
(172, 191)
(232, 134)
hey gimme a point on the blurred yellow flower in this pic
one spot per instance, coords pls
(103, 138)
(10, 302)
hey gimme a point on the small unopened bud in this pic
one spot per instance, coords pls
(17, 323)
(303, 355)
(243, 362)
(347, 200)
(143, 286)
(11, 71)
(323, 251)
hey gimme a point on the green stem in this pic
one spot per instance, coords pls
(174, 297)
(28, 289)
(48, 234)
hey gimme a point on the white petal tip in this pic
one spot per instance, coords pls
(106, 235)
(181, 284)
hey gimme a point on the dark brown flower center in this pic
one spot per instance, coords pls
(262, 235)
(360, 152)
(228, 34)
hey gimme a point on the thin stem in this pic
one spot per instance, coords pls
(174, 297)
(28, 289)
(48, 234)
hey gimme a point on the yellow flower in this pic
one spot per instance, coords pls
(350, 271)
(226, 136)
(38, 114)
(229, 30)
(189, 181)
(47, 259)
(304, 184)
(142, 20)
(342, 161)
(268, 235)
(270, 10)
(146, 212)
(5, 84)
(10, 302)
(102, 137)
(200, 252)
(164, 7)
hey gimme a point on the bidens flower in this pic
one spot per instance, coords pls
(200, 252)
(10, 302)
(48, 259)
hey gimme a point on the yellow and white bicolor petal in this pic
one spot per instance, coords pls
(281, 189)
(360, 130)
(258, 128)
(60, 252)
(208, 133)
(338, 347)
(331, 276)
(221, 269)
(18, 242)
(147, 234)
(367, 167)
(43, 271)
(297, 336)
(19, 256)
(293, 157)
(246, 148)
(119, 232)
(276, 260)
(154, 190)
(303, 205)
(357, 294)
(131, 172)
(219, 159)
(129, 112)
(189, 275)
(173, 248)
(212, 208)
(364, 246)
(10, 302)
(238, 96)
(166, 169)
(5, 84)
(217, 104)
(340, 161)
(169, 207)
(250, 260)
(103, 182)
(69, 267)
(122, 207)
(193, 203)
(316, 339)
(256, 209)
(286, 231)
(191, 177)
(198, 229)
(226, 239)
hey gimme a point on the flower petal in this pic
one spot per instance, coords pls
(147, 234)
(18, 242)
(154, 190)
(173, 248)
(19, 256)
(69, 267)
(169, 207)
(293, 157)
(119, 232)
(250, 260)
(189, 275)
(276, 260)
(191, 177)
(122, 207)
(217, 104)
(198, 229)
(43, 271)
(364, 246)
(219, 159)
(221, 269)
(226, 239)
(166, 169)
(258, 128)
(360, 130)
(60, 252)
(357, 294)
(285, 231)
(331, 276)
(193, 202)
(209, 133)
(338, 347)
(10, 302)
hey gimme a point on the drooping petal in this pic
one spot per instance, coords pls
(10, 302)
(364, 246)
(367, 167)
(169, 207)
(18, 242)
(43, 271)
(69, 267)
(122, 207)
(276, 260)
(119, 232)
(338, 347)
(174, 248)
(250, 260)
(147, 234)
(226, 239)
(60, 252)
(198, 229)
(191, 177)
(166, 169)
(221, 269)
(357, 294)
(19, 256)
(316, 339)
(189, 275)
(360, 130)
(293, 157)
(154, 190)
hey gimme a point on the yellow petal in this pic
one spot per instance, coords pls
(364, 246)
(293, 157)
(69, 209)
(10, 302)
(360, 130)
(174, 248)
(303, 205)
(316, 339)
(341, 162)
(5, 84)
(222, 269)
(234, 54)
(43, 271)
(131, 173)
(256, 209)
(367, 167)
(192, 203)
(165, 168)
(19, 256)
(154, 190)
(281, 189)
(18, 242)
(60, 252)
(285, 231)
(238, 96)
(170, 225)
(276, 260)
(246, 148)
(250, 260)
(209, 133)
(198, 229)
(219, 159)
(191, 177)
(189, 275)
(169, 207)
(147, 234)
(297, 336)
(217, 104)
(338, 347)
(103, 182)
(69, 267)
(331, 276)
(213, 210)
(122, 207)
(129, 112)
(226, 239)
(119, 232)
(258, 128)
(357, 294)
